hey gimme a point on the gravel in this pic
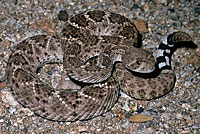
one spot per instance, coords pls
(177, 112)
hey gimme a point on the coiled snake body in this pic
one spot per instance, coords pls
(99, 50)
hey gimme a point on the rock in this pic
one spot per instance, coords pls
(2, 85)
(140, 118)
(197, 10)
(63, 15)
(141, 25)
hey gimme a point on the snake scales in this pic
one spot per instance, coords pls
(101, 51)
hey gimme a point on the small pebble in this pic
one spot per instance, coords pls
(63, 15)
(135, 6)
(197, 10)
(2, 85)
(140, 110)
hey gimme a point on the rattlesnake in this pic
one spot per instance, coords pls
(99, 50)
(87, 34)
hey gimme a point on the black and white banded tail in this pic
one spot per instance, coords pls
(168, 45)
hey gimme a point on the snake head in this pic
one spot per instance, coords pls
(138, 60)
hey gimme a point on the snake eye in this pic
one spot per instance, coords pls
(138, 62)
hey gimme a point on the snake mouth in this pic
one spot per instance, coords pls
(140, 67)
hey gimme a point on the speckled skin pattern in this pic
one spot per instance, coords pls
(98, 33)
(98, 50)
